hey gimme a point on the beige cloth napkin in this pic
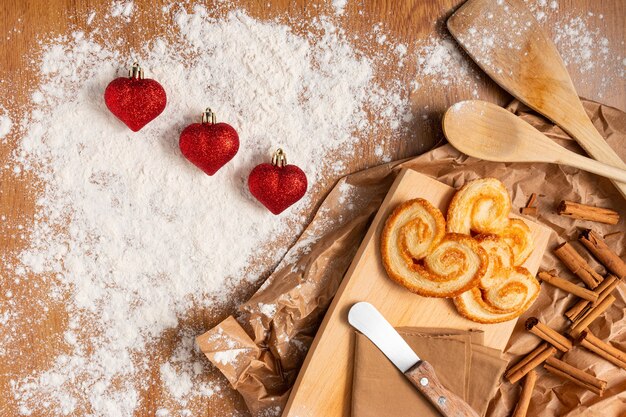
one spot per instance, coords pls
(463, 365)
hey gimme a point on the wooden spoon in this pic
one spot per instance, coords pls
(487, 131)
(506, 41)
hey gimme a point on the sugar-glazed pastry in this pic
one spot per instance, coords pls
(518, 236)
(499, 258)
(483, 206)
(418, 254)
(480, 206)
(505, 291)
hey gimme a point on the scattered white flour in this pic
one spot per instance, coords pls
(586, 48)
(440, 59)
(227, 357)
(182, 375)
(339, 6)
(90, 18)
(268, 310)
(5, 123)
(122, 8)
(541, 8)
(130, 237)
(582, 46)
(271, 412)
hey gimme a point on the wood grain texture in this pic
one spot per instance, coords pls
(490, 132)
(424, 378)
(524, 60)
(25, 22)
(330, 355)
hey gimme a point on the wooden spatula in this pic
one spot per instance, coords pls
(506, 41)
(486, 131)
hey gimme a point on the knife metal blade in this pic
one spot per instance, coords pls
(365, 318)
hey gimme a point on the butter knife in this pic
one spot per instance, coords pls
(365, 318)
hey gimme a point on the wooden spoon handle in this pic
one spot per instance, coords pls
(591, 165)
(423, 376)
(585, 133)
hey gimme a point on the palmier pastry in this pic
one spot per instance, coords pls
(499, 258)
(418, 254)
(505, 291)
(483, 206)
(480, 206)
(518, 236)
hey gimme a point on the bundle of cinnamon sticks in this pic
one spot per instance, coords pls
(592, 303)
(595, 298)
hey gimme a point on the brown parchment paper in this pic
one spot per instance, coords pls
(282, 317)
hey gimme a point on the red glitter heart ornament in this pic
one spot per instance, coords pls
(277, 185)
(209, 145)
(135, 101)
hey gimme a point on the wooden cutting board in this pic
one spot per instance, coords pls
(324, 385)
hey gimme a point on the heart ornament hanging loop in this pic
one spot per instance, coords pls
(279, 159)
(136, 71)
(209, 117)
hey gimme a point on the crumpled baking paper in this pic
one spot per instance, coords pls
(260, 353)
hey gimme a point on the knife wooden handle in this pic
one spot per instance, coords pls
(423, 376)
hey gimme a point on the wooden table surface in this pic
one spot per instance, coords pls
(23, 22)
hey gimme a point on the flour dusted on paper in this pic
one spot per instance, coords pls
(141, 237)
(228, 357)
(268, 310)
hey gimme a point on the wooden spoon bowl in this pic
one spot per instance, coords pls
(487, 131)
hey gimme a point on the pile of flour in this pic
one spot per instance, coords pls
(128, 234)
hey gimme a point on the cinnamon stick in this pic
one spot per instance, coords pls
(603, 290)
(598, 248)
(568, 286)
(529, 211)
(602, 349)
(594, 313)
(548, 334)
(527, 391)
(586, 212)
(529, 362)
(569, 377)
(575, 375)
(577, 264)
